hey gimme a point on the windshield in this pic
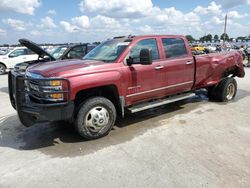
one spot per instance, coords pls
(57, 53)
(108, 51)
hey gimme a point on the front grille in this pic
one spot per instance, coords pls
(33, 87)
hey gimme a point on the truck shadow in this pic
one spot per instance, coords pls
(61, 140)
(4, 89)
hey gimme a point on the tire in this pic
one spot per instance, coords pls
(226, 90)
(95, 118)
(211, 92)
(2, 69)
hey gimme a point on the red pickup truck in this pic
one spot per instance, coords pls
(121, 75)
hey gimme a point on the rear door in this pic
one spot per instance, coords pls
(178, 65)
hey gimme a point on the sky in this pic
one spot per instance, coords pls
(60, 21)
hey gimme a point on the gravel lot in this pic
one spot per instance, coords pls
(193, 143)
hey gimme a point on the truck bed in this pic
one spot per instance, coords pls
(210, 68)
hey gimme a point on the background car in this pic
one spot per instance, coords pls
(197, 47)
(17, 55)
(74, 51)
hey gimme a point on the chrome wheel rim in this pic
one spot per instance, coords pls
(230, 91)
(96, 119)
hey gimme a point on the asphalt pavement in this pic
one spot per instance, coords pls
(192, 143)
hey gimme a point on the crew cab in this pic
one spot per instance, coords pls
(121, 75)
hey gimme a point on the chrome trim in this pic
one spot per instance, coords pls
(175, 85)
(33, 75)
(189, 62)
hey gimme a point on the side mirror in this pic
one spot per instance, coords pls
(145, 56)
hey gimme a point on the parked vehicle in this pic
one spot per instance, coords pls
(76, 51)
(247, 52)
(122, 75)
(3, 52)
(198, 47)
(211, 47)
(17, 55)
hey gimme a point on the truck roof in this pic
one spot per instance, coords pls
(148, 36)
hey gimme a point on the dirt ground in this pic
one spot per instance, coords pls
(192, 143)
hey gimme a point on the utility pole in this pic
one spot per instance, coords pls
(225, 28)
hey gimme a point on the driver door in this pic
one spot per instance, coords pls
(144, 82)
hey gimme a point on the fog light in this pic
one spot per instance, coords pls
(56, 96)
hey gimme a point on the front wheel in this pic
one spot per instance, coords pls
(95, 118)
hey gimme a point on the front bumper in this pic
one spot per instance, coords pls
(30, 112)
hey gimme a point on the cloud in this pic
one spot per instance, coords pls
(2, 32)
(76, 24)
(235, 14)
(173, 16)
(117, 8)
(48, 23)
(20, 6)
(69, 28)
(232, 3)
(52, 12)
(35, 33)
(100, 21)
(17, 25)
(213, 8)
(146, 29)
(81, 21)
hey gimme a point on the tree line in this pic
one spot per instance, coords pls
(210, 38)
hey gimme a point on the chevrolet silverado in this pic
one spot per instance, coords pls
(121, 75)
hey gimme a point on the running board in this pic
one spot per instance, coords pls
(160, 102)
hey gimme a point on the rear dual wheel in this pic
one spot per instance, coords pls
(224, 91)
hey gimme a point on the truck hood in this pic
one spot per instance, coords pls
(36, 49)
(49, 69)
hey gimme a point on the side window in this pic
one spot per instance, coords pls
(18, 52)
(174, 47)
(147, 43)
(77, 52)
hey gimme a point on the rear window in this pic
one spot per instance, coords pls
(174, 47)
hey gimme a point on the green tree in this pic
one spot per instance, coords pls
(216, 37)
(241, 38)
(209, 38)
(190, 38)
(225, 37)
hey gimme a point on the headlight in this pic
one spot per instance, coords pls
(54, 89)
(41, 88)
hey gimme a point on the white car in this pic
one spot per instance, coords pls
(17, 55)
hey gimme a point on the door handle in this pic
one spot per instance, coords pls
(159, 67)
(189, 62)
